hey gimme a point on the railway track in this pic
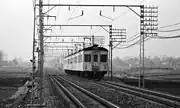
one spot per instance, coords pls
(116, 96)
(80, 96)
(73, 101)
(161, 98)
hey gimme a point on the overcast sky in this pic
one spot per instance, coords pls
(16, 25)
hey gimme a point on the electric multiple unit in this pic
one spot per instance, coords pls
(91, 62)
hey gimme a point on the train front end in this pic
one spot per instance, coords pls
(96, 62)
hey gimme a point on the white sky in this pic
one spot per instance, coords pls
(16, 25)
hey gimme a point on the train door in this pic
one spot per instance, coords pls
(95, 61)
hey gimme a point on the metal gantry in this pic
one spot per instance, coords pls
(147, 27)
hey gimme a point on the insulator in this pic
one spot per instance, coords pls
(82, 13)
(142, 11)
(141, 16)
(141, 21)
(100, 13)
(69, 8)
(113, 9)
(142, 6)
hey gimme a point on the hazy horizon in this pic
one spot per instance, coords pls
(17, 25)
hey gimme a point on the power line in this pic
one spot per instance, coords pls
(135, 43)
(169, 30)
(170, 25)
(135, 37)
(147, 38)
(128, 45)
(165, 37)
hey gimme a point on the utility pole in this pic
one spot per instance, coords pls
(116, 36)
(141, 53)
(33, 52)
(148, 26)
(41, 38)
(110, 49)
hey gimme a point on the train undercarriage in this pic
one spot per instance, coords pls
(97, 75)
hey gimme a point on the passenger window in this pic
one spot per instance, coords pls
(87, 58)
(95, 58)
(103, 58)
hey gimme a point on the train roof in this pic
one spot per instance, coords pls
(94, 47)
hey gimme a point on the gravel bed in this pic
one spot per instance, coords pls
(87, 101)
(117, 97)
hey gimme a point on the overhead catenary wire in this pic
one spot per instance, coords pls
(68, 19)
(159, 31)
(133, 37)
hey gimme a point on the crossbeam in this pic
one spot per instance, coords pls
(58, 46)
(64, 42)
(104, 25)
(88, 5)
(59, 49)
(70, 36)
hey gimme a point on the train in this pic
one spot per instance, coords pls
(90, 62)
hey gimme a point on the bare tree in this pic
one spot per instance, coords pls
(1, 56)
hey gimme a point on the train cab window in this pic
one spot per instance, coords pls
(75, 59)
(103, 58)
(80, 58)
(95, 58)
(87, 58)
(71, 60)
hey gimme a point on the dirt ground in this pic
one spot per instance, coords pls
(11, 78)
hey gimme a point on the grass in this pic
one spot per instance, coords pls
(6, 92)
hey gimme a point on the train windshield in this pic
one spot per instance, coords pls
(103, 58)
(87, 58)
(95, 58)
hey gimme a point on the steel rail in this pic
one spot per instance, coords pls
(165, 99)
(69, 94)
(99, 99)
